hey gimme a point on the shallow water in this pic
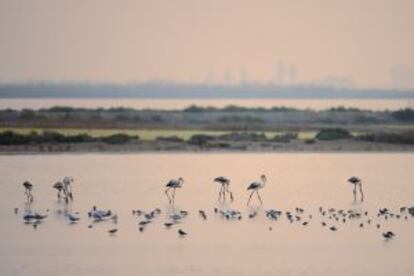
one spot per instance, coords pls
(166, 104)
(122, 182)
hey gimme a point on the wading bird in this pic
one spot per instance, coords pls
(225, 183)
(67, 188)
(59, 187)
(173, 184)
(255, 187)
(357, 182)
(28, 190)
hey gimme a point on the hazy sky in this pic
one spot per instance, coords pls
(364, 43)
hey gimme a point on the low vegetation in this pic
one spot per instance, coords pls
(406, 137)
(48, 137)
(9, 137)
(232, 118)
(327, 134)
(195, 126)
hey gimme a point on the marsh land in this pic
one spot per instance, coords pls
(196, 128)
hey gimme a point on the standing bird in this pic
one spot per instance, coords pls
(225, 183)
(67, 188)
(173, 184)
(202, 214)
(255, 187)
(59, 187)
(28, 190)
(357, 182)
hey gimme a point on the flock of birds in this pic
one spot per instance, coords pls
(330, 218)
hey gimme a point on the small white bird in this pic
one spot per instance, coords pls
(99, 214)
(72, 218)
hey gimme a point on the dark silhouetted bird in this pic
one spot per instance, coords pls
(112, 231)
(181, 233)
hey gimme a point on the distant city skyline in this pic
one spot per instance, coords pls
(351, 44)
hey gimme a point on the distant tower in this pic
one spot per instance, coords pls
(209, 80)
(228, 76)
(402, 76)
(292, 74)
(280, 73)
(243, 76)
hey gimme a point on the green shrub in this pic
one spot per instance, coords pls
(327, 134)
(404, 115)
(310, 141)
(194, 109)
(200, 139)
(285, 138)
(28, 114)
(119, 138)
(243, 136)
(11, 138)
(392, 138)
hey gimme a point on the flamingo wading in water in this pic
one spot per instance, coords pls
(28, 190)
(255, 187)
(356, 182)
(225, 183)
(173, 184)
(67, 188)
(59, 187)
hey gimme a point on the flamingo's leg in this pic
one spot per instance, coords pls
(30, 196)
(360, 190)
(70, 192)
(166, 192)
(250, 197)
(258, 196)
(173, 195)
(354, 193)
(220, 192)
(230, 193)
(65, 194)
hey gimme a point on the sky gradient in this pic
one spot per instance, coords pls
(363, 44)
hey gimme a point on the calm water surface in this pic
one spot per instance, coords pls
(317, 104)
(213, 247)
